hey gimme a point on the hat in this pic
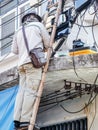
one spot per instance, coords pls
(31, 13)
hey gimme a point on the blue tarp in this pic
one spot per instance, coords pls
(7, 100)
(1, 0)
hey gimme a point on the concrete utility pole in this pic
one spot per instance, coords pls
(37, 102)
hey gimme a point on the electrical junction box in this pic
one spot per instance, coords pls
(82, 51)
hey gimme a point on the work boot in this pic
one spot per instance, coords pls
(16, 125)
(23, 126)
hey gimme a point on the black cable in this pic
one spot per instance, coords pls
(79, 29)
(73, 95)
(74, 112)
(95, 43)
(83, 15)
(59, 91)
(57, 95)
(47, 109)
(86, 26)
(89, 102)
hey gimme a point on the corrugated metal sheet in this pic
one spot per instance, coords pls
(80, 124)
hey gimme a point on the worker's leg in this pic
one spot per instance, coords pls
(20, 95)
(33, 77)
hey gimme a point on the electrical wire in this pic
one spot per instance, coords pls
(74, 94)
(70, 96)
(89, 102)
(87, 26)
(48, 108)
(83, 21)
(74, 112)
(57, 95)
(95, 43)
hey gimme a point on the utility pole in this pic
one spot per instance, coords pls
(41, 86)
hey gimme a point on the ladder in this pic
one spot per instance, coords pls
(41, 86)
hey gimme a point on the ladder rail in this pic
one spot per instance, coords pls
(41, 86)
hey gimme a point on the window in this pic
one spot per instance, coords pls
(7, 5)
(7, 31)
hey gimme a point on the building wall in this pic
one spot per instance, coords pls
(9, 60)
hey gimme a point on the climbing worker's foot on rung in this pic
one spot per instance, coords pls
(23, 126)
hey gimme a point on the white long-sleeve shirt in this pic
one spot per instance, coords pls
(37, 36)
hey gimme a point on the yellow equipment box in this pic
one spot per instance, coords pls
(82, 51)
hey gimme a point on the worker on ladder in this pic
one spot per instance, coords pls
(30, 77)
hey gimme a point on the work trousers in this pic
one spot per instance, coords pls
(28, 85)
